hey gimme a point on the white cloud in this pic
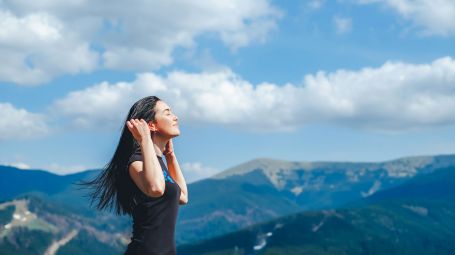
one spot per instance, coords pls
(62, 170)
(342, 25)
(18, 123)
(393, 97)
(51, 167)
(37, 47)
(19, 165)
(435, 17)
(195, 171)
(100, 105)
(47, 39)
(218, 97)
(396, 96)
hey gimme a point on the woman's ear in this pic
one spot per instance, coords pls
(152, 126)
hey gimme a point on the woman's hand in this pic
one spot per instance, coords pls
(169, 150)
(139, 129)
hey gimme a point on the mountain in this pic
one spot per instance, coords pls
(36, 180)
(56, 206)
(263, 189)
(59, 188)
(31, 225)
(437, 186)
(416, 217)
(256, 191)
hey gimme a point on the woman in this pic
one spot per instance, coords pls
(138, 182)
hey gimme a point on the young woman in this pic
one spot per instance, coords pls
(138, 182)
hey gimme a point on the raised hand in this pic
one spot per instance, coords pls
(169, 150)
(139, 129)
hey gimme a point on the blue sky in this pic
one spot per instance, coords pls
(339, 80)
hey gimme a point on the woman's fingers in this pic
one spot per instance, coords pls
(131, 125)
(137, 124)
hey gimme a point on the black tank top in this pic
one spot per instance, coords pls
(154, 218)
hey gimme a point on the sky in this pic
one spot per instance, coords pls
(346, 80)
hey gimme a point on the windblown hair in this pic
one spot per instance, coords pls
(111, 189)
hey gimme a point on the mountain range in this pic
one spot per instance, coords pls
(251, 193)
(416, 217)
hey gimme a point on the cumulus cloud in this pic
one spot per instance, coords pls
(435, 17)
(195, 171)
(17, 123)
(101, 105)
(37, 46)
(393, 97)
(219, 97)
(50, 38)
(342, 25)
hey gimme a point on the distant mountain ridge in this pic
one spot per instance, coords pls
(16, 181)
(264, 189)
(416, 217)
(255, 191)
(401, 167)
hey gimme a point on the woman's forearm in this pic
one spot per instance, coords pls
(176, 174)
(153, 174)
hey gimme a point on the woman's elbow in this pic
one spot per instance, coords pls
(183, 200)
(155, 191)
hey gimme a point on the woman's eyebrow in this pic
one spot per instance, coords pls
(167, 109)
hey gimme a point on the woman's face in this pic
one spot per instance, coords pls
(166, 122)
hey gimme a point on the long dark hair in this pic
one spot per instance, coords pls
(111, 188)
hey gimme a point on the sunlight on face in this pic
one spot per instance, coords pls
(166, 120)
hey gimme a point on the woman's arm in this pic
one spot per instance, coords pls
(175, 172)
(146, 174)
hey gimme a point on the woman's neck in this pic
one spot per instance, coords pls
(159, 144)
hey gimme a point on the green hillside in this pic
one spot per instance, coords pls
(32, 225)
(396, 221)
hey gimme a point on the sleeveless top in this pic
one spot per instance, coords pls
(154, 218)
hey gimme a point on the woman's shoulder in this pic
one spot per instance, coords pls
(135, 156)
